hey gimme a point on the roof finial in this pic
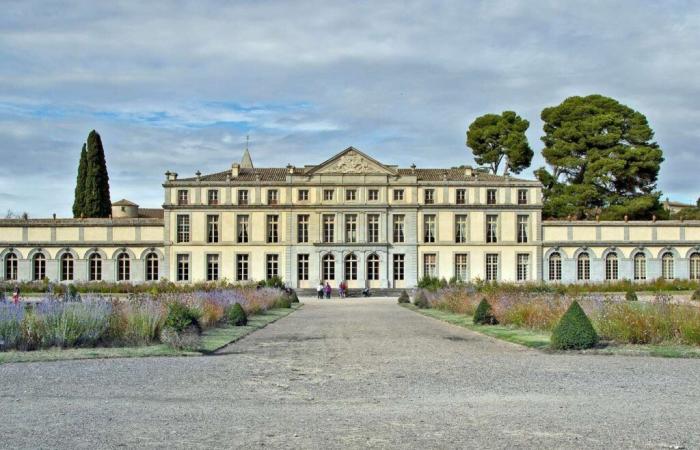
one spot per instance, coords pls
(247, 138)
(246, 161)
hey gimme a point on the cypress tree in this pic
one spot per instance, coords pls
(79, 201)
(97, 201)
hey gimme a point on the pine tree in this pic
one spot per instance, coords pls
(79, 201)
(97, 201)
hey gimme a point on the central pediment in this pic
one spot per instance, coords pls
(352, 161)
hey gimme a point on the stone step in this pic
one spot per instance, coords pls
(374, 292)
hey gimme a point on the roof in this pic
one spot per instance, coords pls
(151, 213)
(124, 202)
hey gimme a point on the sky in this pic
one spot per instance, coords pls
(178, 85)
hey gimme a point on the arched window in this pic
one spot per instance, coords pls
(583, 267)
(123, 267)
(694, 262)
(667, 266)
(39, 267)
(351, 267)
(151, 267)
(373, 267)
(67, 264)
(11, 266)
(328, 267)
(611, 271)
(95, 267)
(555, 266)
(640, 266)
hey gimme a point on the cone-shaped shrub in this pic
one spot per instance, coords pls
(403, 298)
(574, 330)
(421, 301)
(293, 296)
(237, 316)
(631, 296)
(484, 314)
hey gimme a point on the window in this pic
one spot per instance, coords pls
(39, 267)
(430, 265)
(303, 267)
(429, 196)
(212, 267)
(67, 267)
(461, 229)
(611, 266)
(351, 228)
(398, 267)
(461, 196)
(522, 196)
(491, 266)
(183, 267)
(523, 229)
(694, 269)
(640, 266)
(183, 197)
(272, 266)
(328, 228)
(555, 266)
(272, 197)
(429, 228)
(490, 196)
(373, 267)
(303, 228)
(351, 267)
(491, 228)
(328, 194)
(213, 197)
(373, 195)
(152, 267)
(242, 229)
(95, 267)
(373, 228)
(398, 228)
(11, 266)
(212, 229)
(461, 266)
(351, 195)
(583, 267)
(667, 266)
(183, 228)
(242, 197)
(328, 267)
(523, 269)
(242, 267)
(398, 195)
(273, 229)
(303, 195)
(123, 267)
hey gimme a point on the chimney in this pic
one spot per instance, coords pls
(170, 176)
(468, 172)
(235, 169)
(413, 168)
(290, 169)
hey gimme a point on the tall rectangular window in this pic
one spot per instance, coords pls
(273, 263)
(429, 228)
(242, 232)
(461, 228)
(351, 195)
(213, 228)
(398, 228)
(183, 267)
(398, 267)
(373, 228)
(328, 228)
(242, 267)
(491, 228)
(212, 267)
(303, 267)
(429, 196)
(273, 229)
(583, 267)
(523, 228)
(272, 196)
(183, 228)
(183, 197)
(351, 228)
(522, 196)
(303, 228)
(491, 266)
(430, 265)
(461, 196)
(490, 196)
(461, 266)
(213, 196)
(242, 197)
(303, 195)
(523, 267)
(398, 195)
(328, 195)
(373, 195)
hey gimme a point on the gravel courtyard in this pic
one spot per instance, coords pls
(357, 373)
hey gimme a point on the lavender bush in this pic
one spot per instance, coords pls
(11, 317)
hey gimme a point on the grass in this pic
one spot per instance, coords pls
(212, 340)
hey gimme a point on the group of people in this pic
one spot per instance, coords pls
(325, 291)
(15, 295)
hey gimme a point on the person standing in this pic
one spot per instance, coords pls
(319, 290)
(15, 295)
(328, 290)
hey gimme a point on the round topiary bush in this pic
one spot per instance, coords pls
(236, 315)
(180, 317)
(403, 298)
(484, 314)
(574, 330)
(631, 296)
(420, 300)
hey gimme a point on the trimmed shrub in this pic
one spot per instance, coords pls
(484, 314)
(420, 300)
(574, 330)
(631, 296)
(284, 301)
(403, 298)
(236, 315)
(180, 317)
(696, 295)
(293, 296)
(187, 339)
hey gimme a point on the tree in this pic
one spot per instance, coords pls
(79, 200)
(494, 137)
(96, 194)
(603, 160)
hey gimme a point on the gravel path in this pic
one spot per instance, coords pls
(358, 373)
